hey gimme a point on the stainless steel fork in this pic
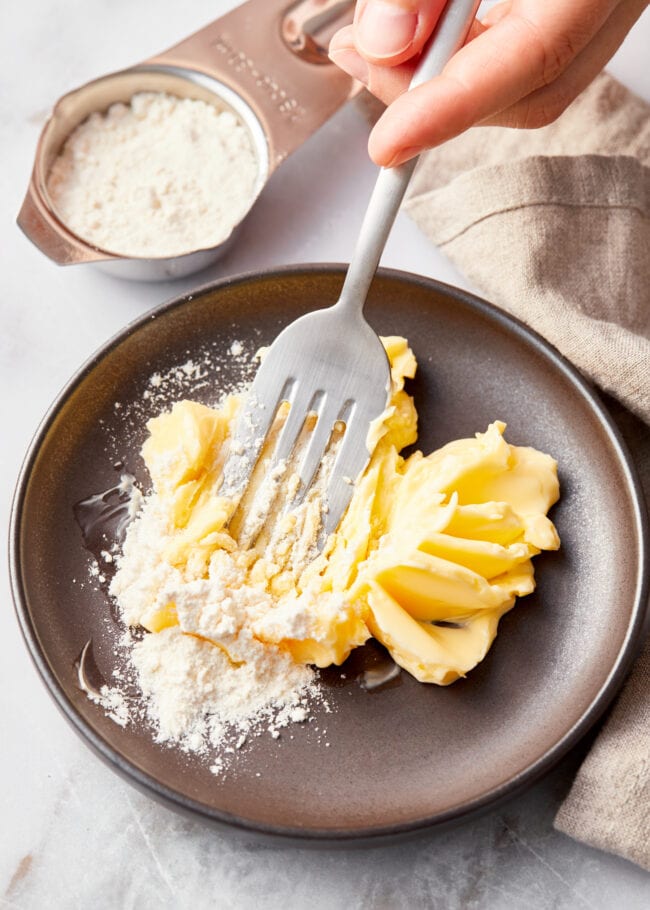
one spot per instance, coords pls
(330, 361)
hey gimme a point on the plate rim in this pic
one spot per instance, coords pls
(367, 835)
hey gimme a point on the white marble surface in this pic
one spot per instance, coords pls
(71, 833)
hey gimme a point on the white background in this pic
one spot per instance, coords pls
(71, 833)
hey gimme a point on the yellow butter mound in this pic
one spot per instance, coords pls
(431, 552)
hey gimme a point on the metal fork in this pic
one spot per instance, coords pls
(330, 361)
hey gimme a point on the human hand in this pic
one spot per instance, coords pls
(521, 65)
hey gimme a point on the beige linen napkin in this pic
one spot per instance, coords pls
(553, 225)
(608, 805)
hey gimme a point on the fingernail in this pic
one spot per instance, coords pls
(385, 30)
(351, 63)
(405, 155)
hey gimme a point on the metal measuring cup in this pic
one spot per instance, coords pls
(265, 61)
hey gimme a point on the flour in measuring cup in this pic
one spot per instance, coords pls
(159, 177)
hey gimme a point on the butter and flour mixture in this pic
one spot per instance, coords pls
(161, 176)
(218, 682)
(431, 552)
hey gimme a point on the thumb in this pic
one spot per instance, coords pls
(388, 32)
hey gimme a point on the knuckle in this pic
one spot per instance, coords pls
(541, 112)
(551, 54)
(557, 56)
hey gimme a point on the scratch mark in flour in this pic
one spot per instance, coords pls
(161, 872)
(519, 839)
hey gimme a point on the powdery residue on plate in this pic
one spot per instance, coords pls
(204, 699)
(209, 371)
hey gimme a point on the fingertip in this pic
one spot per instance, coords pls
(380, 152)
(496, 13)
(388, 33)
(406, 128)
(343, 39)
(385, 31)
(347, 59)
(386, 156)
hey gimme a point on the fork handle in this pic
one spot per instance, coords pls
(389, 190)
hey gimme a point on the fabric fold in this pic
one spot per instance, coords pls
(563, 243)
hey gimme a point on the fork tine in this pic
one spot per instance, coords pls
(320, 437)
(351, 460)
(337, 499)
(251, 429)
(300, 407)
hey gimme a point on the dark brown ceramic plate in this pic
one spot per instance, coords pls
(409, 756)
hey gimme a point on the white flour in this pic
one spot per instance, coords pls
(199, 699)
(186, 689)
(208, 688)
(159, 177)
(217, 686)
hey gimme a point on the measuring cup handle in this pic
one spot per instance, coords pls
(249, 50)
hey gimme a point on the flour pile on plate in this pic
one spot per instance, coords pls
(199, 695)
(183, 687)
